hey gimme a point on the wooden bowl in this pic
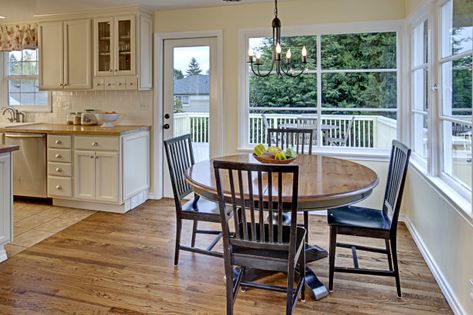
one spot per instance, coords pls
(267, 160)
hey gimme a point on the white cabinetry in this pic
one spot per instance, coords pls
(65, 55)
(6, 234)
(109, 173)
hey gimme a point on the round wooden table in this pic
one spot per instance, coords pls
(324, 183)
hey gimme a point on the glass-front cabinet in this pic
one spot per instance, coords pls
(115, 46)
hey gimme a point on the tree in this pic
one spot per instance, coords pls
(178, 75)
(193, 68)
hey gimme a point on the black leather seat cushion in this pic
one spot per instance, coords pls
(359, 217)
(207, 210)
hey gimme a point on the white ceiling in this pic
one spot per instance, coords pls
(24, 10)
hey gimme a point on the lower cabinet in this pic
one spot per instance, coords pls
(5, 203)
(96, 175)
(108, 173)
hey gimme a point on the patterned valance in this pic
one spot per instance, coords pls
(18, 37)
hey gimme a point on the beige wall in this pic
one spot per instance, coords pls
(232, 18)
(412, 5)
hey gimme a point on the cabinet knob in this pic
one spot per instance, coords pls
(110, 70)
(91, 156)
(61, 84)
(59, 170)
(109, 84)
(59, 187)
(58, 156)
(58, 142)
(96, 157)
(94, 144)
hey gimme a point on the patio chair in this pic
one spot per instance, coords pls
(342, 141)
(373, 223)
(180, 157)
(255, 244)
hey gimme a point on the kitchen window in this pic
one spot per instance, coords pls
(349, 90)
(20, 84)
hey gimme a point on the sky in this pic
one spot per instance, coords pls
(183, 56)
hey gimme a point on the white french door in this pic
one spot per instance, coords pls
(190, 97)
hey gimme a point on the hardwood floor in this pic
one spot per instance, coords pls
(123, 264)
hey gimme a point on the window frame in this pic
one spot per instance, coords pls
(5, 78)
(318, 31)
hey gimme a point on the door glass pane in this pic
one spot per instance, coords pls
(105, 46)
(420, 135)
(192, 97)
(124, 45)
(457, 88)
(457, 27)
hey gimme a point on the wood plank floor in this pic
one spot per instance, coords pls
(123, 264)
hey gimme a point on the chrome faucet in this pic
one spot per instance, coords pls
(15, 114)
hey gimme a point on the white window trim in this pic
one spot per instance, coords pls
(318, 30)
(4, 91)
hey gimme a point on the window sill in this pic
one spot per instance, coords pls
(461, 204)
(346, 153)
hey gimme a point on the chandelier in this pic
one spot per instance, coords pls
(287, 67)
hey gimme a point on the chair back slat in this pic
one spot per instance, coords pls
(397, 171)
(180, 157)
(297, 138)
(246, 200)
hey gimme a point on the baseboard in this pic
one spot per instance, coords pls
(3, 254)
(442, 283)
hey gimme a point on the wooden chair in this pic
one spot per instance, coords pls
(301, 139)
(180, 157)
(366, 222)
(342, 141)
(255, 244)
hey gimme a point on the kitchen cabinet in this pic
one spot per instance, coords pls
(123, 53)
(65, 54)
(96, 175)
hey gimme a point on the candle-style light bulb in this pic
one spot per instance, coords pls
(250, 55)
(304, 54)
(258, 58)
(278, 49)
(288, 56)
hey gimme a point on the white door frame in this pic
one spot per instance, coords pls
(157, 145)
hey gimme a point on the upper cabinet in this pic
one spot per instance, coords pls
(65, 55)
(123, 53)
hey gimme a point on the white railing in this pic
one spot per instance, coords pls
(197, 124)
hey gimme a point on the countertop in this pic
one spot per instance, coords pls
(63, 129)
(8, 148)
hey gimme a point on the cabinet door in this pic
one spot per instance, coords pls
(125, 45)
(5, 199)
(51, 56)
(107, 176)
(145, 65)
(78, 54)
(103, 47)
(84, 174)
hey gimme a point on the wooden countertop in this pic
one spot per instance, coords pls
(74, 130)
(8, 148)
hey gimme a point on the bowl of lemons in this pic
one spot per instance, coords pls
(273, 154)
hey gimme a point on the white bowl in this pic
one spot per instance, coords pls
(108, 119)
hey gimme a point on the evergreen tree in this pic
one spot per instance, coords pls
(193, 68)
(178, 74)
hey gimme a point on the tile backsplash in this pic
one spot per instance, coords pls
(135, 107)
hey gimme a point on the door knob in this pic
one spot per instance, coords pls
(166, 126)
(167, 116)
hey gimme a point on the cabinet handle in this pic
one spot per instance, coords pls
(59, 170)
(94, 144)
(120, 84)
(61, 84)
(58, 142)
(91, 156)
(59, 187)
(58, 156)
(109, 84)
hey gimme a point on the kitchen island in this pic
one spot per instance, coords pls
(90, 167)
(6, 198)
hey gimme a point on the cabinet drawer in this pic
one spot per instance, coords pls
(59, 186)
(58, 155)
(59, 169)
(60, 142)
(96, 143)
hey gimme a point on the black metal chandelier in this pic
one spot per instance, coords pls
(287, 67)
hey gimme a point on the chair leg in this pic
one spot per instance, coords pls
(194, 232)
(390, 259)
(332, 254)
(306, 225)
(229, 286)
(178, 241)
(303, 266)
(396, 267)
(290, 289)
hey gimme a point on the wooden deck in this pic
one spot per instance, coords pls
(123, 264)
